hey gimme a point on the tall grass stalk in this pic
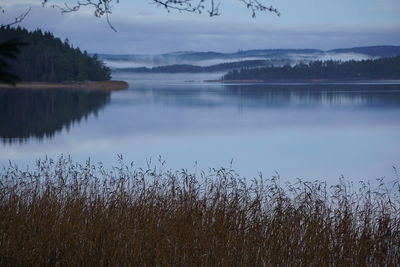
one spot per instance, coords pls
(64, 213)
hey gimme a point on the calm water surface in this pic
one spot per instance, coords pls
(297, 130)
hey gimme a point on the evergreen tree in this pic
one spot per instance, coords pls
(47, 58)
(383, 68)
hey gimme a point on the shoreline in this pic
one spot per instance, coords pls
(310, 81)
(112, 85)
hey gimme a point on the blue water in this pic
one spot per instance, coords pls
(297, 130)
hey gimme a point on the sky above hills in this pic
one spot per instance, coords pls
(145, 29)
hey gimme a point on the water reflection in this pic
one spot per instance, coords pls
(313, 131)
(317, 95)
(42, 113)
(266, 95)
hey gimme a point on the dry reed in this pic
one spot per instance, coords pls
(63, 213)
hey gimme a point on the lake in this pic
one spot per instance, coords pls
(311, 131)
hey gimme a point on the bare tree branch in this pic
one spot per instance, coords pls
(104, 7)
(18, 19)
(198, 6)
(188, 6)
(256, 6)
(101, 8)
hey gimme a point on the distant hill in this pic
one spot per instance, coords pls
(237, 55)
(185, 68)
(374, 51)
(48, 59)
(198, 56)
(277, 57)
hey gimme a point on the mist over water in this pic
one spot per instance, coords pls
(298, 130)
(136, 61)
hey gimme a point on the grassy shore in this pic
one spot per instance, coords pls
(63, 213)
(103, 85)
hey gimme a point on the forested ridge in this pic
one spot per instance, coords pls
(383, 68)
(186, 68)
(46, 58)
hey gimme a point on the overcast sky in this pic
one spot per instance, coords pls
(145, 29)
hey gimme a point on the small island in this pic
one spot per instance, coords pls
(321, 71)
(46, 62)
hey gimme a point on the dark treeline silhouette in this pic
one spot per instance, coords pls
(41, 113)
(383, 68)
(187, 68)
(8, 52)
(47, 58)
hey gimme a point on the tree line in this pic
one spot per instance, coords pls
(383, 68)
(47, 58)
(186, 68)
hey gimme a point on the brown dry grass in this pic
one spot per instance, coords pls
(63, 213)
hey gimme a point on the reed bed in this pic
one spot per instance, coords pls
(67, 214)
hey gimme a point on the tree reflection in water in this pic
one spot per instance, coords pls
(317, 95)
(42, 113)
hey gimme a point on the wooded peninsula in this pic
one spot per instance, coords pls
(382, 68)
(45, 58)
